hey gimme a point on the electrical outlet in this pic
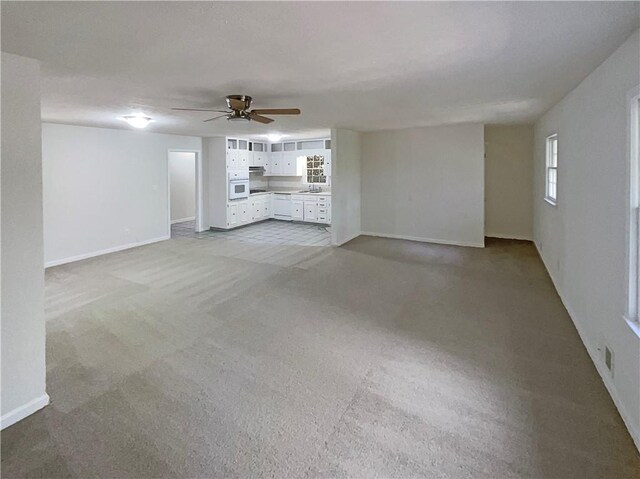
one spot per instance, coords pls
(608, 359)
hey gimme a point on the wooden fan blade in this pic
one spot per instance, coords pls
(197, 109)
(259, 118)
(277, 111)
(215, 117)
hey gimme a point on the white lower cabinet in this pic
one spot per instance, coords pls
(256, 210)
(311, 208)
(297, 210)
(243, 212)
(310, 211)
(232, 215)
(266, 207)
(307, 208)
(260, 208)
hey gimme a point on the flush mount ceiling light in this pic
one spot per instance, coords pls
(273, 137)
(137, 121)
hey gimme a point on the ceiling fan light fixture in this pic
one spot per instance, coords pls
(137, 121)
(237, 118)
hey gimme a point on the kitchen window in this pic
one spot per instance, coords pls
(315, 170)
(551, 190)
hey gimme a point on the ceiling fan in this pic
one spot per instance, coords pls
(238, 106)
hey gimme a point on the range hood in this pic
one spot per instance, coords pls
(256, 169)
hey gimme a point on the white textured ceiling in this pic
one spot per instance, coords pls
(364, 66)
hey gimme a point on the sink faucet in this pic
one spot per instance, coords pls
(314, 189)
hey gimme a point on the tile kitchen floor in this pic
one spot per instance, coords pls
(266, 232)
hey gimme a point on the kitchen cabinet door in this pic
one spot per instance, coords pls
(232, 159)
(266, 207)
(292, 166)
(327, 162)
(243, 159)
(256, 211)
(266, 162)
(232, 215)
(310, 211)
(287, 168)
(297, 210)
(232, 153)
(276, 167)
(276, 159)
(243, 212)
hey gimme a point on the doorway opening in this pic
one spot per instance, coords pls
(184, 205)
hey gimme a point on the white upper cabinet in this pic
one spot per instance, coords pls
(258, 153)
(276, 151)
(276, 160)
(232, 153)
(243, 154)
(310, 144)
(327, 162)
(289, 156)
(286, 158)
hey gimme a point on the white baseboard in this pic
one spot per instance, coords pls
(71, 259)
(23, 411)
(182, 220)
(597, 361)
(349, 238)
(424, 240)
(513, 237)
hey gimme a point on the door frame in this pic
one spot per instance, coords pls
(199, 194)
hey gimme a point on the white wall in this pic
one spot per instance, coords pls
(425, 184)
(508, 181)
(345, 189)
(214, 155)
(104, 189)
(22, 304)
(182, 173)
(582, 240)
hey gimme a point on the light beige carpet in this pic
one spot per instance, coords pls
(383, 358)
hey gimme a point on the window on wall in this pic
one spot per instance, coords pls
(551, 192)
(315, 169)
(633, 252)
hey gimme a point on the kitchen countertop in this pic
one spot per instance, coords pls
(294, 192)
(319, 193)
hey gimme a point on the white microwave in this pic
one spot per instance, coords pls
(238, 188)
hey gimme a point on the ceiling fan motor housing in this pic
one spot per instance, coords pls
(238, 102)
